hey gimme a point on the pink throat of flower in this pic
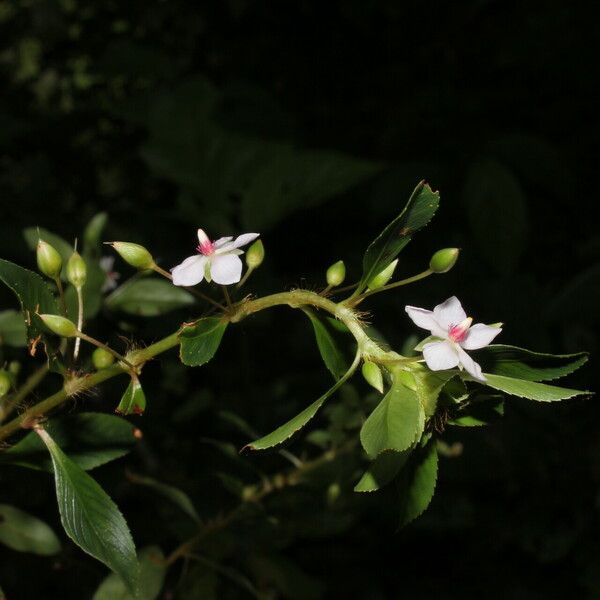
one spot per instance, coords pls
(457, 333)
(207, 248)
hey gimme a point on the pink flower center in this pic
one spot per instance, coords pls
(457, 333)
(207, 248)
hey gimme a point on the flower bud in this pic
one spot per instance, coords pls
(379, 280)
(76, 270)
(373, 375)
(48, 259)
(443, 260)
(59, 325)
(133, 254)
(102, 358)
(14, 367)
(255, 255)
(5, 382)
(336, 274)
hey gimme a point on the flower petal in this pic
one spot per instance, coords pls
(471, 367)
(244, 239)
(440, 355)
(425, 319)
(479, 336)
(190, 271)
(226, 269)
(449, 313)
(221, 242)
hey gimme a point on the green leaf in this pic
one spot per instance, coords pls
(33, 234)
(286, 179)
(200, 340)
(396, 423)
(90, 518)
(330, 353)
(418, 211)
(25, 533)
(89, 439)
(530, 389)
(382, 470)
(175, 495)
(12, 329)
(148, 297)
(519, 363)
(133, 401)
(418, 486)
(92, 237)
(497, 211)
(153, 570)
(428, 385)
(34, 295)
(287, 430)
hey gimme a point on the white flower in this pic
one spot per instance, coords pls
(107, 264)
(448, 321)
(217, 261)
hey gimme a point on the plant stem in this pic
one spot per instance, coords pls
(367, 348)
(95, 342)
(79, 321)
(227, 297)
(28, 386)
(61, 295)
(391, 286)
(244, 278)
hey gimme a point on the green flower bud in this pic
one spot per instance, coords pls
(379, 280)
(255, 255)
(48, 259)
(14, 367)
(5, 382)
(59, 325)
(101, 358)
(133, 254)
(76, 270)
(336, 274)
(443, 260)
(373, 375)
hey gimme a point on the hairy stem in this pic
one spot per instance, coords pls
(12, 402)
(390, 286)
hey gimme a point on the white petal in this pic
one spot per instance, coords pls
(221, 242)
(425, 319)
(479, 336)
(202, 237)
(440, 355)
(226, 269)
(449, 313)
(244, 239)
(190, 271)
(471, 367)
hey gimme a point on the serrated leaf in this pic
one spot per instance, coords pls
(428, 385)
(200, 340)
(381, 471)
(33, 234)
(26, 533)
(153, 570)
(133, 401)
(34, 295)
(419, 484)
(89, 439)
(12, 329)
(148, 297)
(175, 495)
(287, 430)
(519, 363)
(90, 518)
(330, 353)
(396, 423)
(419, 210)
(530, 389)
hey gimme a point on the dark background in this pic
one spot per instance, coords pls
(311, 122)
